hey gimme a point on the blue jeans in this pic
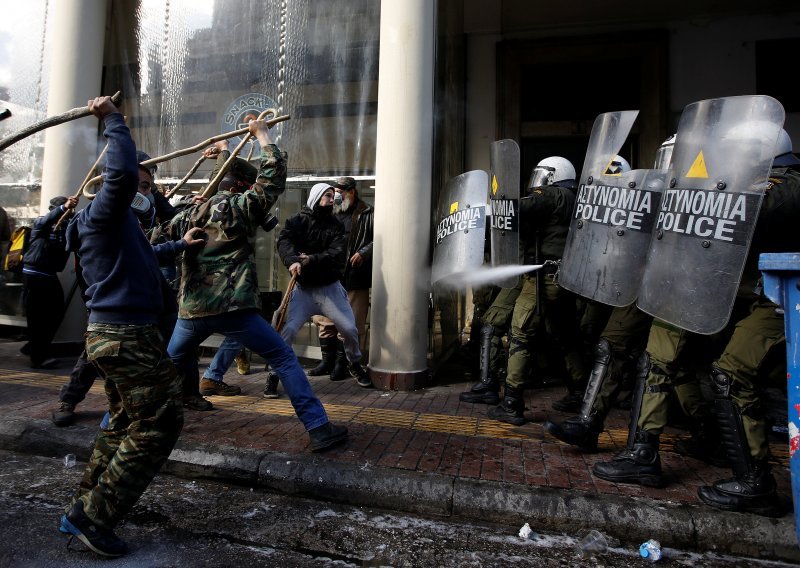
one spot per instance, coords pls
(330, 301)
(222, 360)
(252, 331)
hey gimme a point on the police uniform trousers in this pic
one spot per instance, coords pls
(558, 306)
(671, 371)
(626, 332)
(498, 315)
(754, 337)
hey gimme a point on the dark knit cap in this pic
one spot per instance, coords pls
(244, 171)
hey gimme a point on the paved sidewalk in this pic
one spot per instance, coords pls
(422, 451)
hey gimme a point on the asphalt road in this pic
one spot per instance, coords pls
(180, 522)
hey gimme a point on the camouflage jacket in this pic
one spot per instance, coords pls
(221, 276)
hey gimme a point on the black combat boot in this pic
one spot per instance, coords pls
(485, 391)
(340, 367)
(750, 491)
(512, 407)
(639, 464)
(328, 347)
(577, 431)
(752, 487)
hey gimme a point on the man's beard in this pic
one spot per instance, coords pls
(346, 203)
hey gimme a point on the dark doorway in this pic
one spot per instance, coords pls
(551, 91)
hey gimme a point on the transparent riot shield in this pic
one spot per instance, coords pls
(720, 165)
(609, 234)
(504, 207)
(460, 226)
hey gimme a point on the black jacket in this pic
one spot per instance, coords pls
(47, 251)
(322, 238)
(359, 240)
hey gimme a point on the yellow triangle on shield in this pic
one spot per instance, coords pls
(495, 185)
(698, 169)
(453, 207)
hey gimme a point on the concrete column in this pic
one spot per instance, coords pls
(70, 149)
(401, 272)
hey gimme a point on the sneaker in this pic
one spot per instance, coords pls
(242, 363)
(326, 436)
(197, 402)
(210, 387)
(100, 540)
(271, 390)
(361, 375)
(65, 415)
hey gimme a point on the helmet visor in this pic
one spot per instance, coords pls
(541, 176)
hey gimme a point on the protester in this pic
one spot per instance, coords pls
(43, 295)
(125, 300)
(219, 286)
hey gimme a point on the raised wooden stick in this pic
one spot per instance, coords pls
(200, 146)
(279, 317)
(211, 188)
(73, 114)
(189, 174)
(78, 193)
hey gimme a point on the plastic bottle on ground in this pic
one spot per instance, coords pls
(650, 549)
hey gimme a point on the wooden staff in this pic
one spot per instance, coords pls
(189, 174)
(279, 317)
(211, 188)
(83, 184)
(73, 114)
(177, 153)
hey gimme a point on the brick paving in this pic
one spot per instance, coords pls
(428, 430)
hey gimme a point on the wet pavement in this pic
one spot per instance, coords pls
(422, 452)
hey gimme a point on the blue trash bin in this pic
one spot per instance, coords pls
(782, 285)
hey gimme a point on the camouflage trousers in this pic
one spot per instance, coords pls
(146, 417)
(625, 332)
(671, 371)
(559, 309)
(754, 338)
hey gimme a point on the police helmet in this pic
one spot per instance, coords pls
(551, 171)
(664, 153)
(783, 151)
(618, 165)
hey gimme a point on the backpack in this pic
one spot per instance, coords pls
(19, 245)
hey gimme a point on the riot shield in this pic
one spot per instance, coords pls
(609, 234)
(720, 165)
(460, 225)
(504, 166)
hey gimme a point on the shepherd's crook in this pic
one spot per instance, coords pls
(189, 174)
(83, 184)
(211, 188)
(200, 146)
(73, 114)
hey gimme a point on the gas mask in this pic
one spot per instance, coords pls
(142, 206)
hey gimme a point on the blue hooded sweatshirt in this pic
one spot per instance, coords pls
(118, 263)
